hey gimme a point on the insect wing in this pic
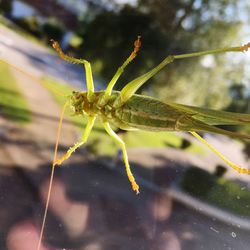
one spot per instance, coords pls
(214, 117)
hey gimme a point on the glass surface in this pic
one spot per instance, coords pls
(189, 199)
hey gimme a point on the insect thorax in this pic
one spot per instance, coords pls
(81, 105)
(105, 109)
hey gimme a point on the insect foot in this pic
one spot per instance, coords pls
(137, 45)
(135, 187)
(57, 162)
(245, 47)
(242, 170)
(61, 160)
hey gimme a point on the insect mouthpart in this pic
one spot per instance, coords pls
(77, 102)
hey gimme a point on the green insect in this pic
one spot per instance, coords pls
(129, 111)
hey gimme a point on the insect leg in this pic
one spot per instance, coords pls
(135, 84)
(87, 66)
(131, 178)
(231, 164)
(137, 45)
(91, 121)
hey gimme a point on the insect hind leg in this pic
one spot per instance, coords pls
(228, 162)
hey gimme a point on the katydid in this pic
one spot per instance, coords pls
(129, 111)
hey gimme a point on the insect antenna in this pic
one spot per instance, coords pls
(51, 177)
(231, 164)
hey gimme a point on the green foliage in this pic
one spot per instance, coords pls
(230, 196)
(5, 6)
(29, 24)
(52, 30)
(240, 103)
(75, 41)
(158, 140)
(12, 104)
(151, 139)
(109, 37)
(197, 182)
(219, 191)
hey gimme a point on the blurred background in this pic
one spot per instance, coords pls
(189, 198)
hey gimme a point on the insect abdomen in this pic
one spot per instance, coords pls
(147, 113)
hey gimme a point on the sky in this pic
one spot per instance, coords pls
(21, 9)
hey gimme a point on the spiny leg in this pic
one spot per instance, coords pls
(87, 66)
(137, 45)
(231, 164)
(135, 84)
(131, 178)
(89, 126)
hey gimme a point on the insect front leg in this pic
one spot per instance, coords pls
(90, 124)
(87, 66)
(137, 45)
(131, 178)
